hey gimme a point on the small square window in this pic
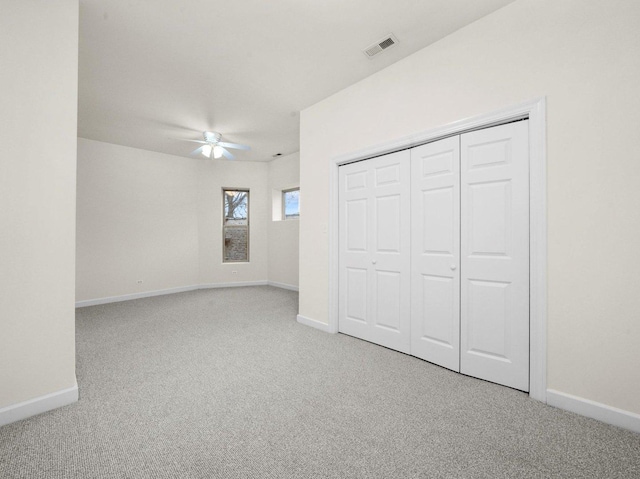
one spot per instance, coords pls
(291, 204)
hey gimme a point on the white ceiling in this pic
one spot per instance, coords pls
(154, 71)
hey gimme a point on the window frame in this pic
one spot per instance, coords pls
(225, 226)
(284, 203)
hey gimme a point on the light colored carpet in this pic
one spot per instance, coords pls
(225, 383)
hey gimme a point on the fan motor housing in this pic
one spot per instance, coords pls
(212, 136)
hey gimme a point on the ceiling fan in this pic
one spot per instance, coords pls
(212, 147)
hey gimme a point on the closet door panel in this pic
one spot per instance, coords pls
(494, 333)
(375, 250)
(356, 295)
(435, 236)
(390, 252)
(354, 183)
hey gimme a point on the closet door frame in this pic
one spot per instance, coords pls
(534, 111)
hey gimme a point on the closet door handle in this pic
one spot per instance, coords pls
(453, 267)
(373, 261)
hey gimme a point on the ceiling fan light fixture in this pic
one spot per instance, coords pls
(213, 147)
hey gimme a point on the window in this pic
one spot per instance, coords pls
(235, 226)
(291, 204)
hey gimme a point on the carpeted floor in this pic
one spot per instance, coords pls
(224, 383)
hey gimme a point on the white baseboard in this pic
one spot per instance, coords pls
(128, 297)
(38, 405)
(160, 292)
(238, 284)
(313, 323)
(594, 410)
(290, 287)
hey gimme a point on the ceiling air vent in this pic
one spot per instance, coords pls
(382, 44)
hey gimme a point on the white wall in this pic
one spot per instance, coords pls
(581, 55)
(149, 216)
(137, 220)
(213, 177)
(38, 81)
(284, 173)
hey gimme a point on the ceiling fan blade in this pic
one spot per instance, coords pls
(227, 154)
(234, 145)
(193, 141)
(197, 151)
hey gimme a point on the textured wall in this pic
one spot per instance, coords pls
(148, 216)
(137, 220)
(38, 118)
(284, 173)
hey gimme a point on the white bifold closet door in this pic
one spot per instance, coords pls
(375, 252)
(470, 254)
(435, 248)
(494, 317)
(434, 252)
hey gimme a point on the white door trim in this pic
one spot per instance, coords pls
(534, 110)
